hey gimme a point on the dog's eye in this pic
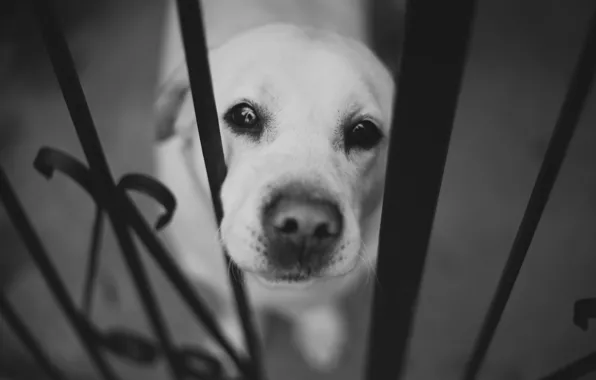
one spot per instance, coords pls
(364, 135)
(243, 115)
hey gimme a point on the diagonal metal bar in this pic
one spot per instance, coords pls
(146, 293)
(51, 276)
(576, 370)
(199, 75)
(87, 134)
(428, 87)
(195, 49)
(72, 90)
(49, 160)
(28, 340)
(92, 264)
(571, 109)
(74, 97)
(182, 285)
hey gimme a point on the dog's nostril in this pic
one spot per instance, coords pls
(322, 231)
(289, 226)
(303, 221)
(301, 230)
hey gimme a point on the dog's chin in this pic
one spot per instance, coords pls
(294, 280)
(288, 281)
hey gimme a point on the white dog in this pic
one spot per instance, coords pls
(304, 116)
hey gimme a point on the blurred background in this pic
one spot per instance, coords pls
(522, 54)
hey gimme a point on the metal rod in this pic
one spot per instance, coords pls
(84, 126)
(74, 97)
(28, 340)
(571, 109)
(432, 64)
(51, 276)
(179, 281)
(195, 48)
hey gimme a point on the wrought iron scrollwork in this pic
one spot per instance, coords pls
(189, 362)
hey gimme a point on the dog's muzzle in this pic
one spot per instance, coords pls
(302, 226)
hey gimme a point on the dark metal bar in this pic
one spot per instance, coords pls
(92, 264)
(49, 160)
(199, 75)
(571, 109)
(83, 122)
(431, 68)
(182, 285)
(29, 341)
(145, 291)
(195, 48)
(51, 276)
(74, 96)
(576, 370)
(68, 79)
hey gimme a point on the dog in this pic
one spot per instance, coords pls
(304, 116)
(352, 198)
(515, 82)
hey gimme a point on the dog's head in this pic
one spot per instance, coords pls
(304, 118)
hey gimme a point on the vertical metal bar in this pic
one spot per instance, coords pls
(72, 91)
(199, 75)
(428, 85)
(51, 276)
(145, 291)
(92, 264)
(195, 48)
(182, 285)
(87, 134)
(571, 109)
(29, 341)
(74, 96)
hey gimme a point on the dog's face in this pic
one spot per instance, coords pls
(305, 121)
(304, 118)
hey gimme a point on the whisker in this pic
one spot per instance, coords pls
(230, 271)
(366, 266)
(371, 267)
(218, 235)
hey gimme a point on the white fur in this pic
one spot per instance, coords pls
(308, 80)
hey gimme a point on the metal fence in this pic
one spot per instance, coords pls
(430, 72)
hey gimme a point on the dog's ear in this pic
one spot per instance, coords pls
(168, 108)
(171, 98)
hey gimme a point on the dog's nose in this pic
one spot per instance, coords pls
(300, 230)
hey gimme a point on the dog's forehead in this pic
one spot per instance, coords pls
(282, 62)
